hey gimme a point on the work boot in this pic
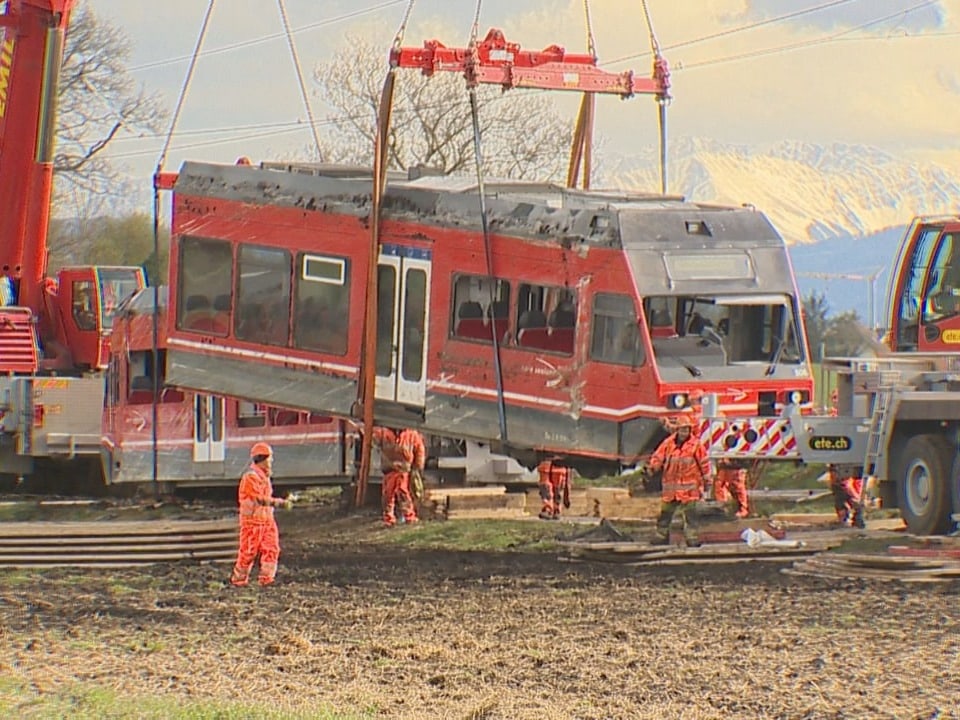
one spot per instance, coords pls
(660, 541)
(544, 515)
(694, 543)
(740, 514)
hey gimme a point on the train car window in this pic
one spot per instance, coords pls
(322, 304)
(414, 325)
(250, 414)
(615, 335)
(660, 313)
(206, 272)
(282, 416)
(477, 310)
(386, 308)
(943, 288)
(546, 318)
(263, 295)
(140, 378)
(113, 386)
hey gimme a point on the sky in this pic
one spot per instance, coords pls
(884, 73)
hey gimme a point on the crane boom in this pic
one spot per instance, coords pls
(34, 32)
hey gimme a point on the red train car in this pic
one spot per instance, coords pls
(589, 319)
(202, 439)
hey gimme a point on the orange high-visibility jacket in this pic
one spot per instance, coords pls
(391, 450)
(686, 469)
(410, 443)
(256, 496)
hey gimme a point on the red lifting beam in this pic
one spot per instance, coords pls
(495, 61)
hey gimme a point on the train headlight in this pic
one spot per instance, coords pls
(678, 401)
(794, 397)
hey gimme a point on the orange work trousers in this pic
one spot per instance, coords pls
(732, 481)
(263, 539)
(396, 491)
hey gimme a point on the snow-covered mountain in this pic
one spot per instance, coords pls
(810, 192)
(842, 208)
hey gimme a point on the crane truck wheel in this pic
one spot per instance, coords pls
(923, 485)
(955, 491)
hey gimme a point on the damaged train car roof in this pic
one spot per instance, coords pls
(543, 211)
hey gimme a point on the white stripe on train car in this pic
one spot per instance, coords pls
(262, 355)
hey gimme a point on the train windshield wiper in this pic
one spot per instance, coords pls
(775, 357)
(692, 369)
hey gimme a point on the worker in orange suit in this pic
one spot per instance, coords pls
(847, 489)
(400, 453)
(258, 528)
(686, 479)
(731, 480)
(554, 484)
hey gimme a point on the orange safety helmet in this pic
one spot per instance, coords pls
(261, 448)
(684, 420)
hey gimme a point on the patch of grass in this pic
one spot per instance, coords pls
(119, 587)
(481, 535)
(16, 578)
(788, 476)
(20, 699)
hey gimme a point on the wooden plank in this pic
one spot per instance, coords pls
(806, 518)
(435, 493)
(488, 514)
(118, 539)
(927, 552)
(838, 566)
(832, 574)
(106, 557)
(113, 527)
(886, 561)
(28, 565)
(94, 547)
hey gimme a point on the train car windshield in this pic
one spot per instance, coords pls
(724, 337)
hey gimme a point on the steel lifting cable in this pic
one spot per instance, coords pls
(185, 88)
(591, 44)
(485, 225)
(303, 87)
(366, 386)
(581, 149)
(155, 356)
(662, 101)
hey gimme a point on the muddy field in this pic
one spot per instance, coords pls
(361, 626)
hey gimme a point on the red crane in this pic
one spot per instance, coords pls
(48, 326)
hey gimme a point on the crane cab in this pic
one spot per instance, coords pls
(86, 300)
(925, 289)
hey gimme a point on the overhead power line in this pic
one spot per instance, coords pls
(782, 49)
(268, 38)
(733, 31)
(823, 40)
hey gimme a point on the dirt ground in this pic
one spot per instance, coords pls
(357, 627)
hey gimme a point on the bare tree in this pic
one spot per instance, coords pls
(98, 101)
(523, 137)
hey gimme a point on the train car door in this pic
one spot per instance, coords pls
(209, 438)
(403, 283)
